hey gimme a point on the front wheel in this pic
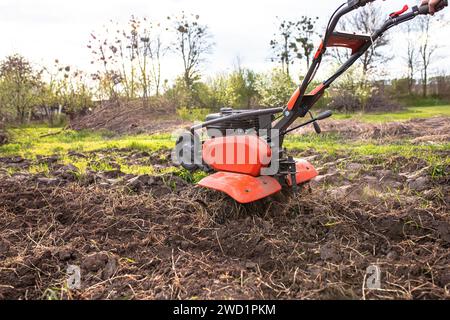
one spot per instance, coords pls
(188, 149)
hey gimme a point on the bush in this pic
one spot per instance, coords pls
(3, 135)
(345, 101)
(196, 114)
(275, 88)
(349, 102)
(378, 102)
(197, 96)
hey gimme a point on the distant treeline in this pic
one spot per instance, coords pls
(128, 63)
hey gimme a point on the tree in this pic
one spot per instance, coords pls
(293, 41)
(305, 33)
(154, 49)
(241, 87)
(219, 91)
(66, 91)
(107, 75)
(193, 43)
(411, 55)
(129, 58)
(282, 46)
(20, 85)
(426, 50)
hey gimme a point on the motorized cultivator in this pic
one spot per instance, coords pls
(244, 148)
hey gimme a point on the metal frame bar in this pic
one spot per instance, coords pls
(305, 102)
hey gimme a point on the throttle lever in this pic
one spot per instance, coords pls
(400, 12)
(320, 117)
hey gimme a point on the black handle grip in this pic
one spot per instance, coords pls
(317, 128)
(425, 9)
(324, 115)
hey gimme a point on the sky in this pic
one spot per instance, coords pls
(43, 30)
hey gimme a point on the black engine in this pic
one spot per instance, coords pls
(242, 125)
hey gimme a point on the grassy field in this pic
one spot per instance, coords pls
(127, 208)
(40, 140)
(44, 141)
(409, 113)
(417, 108)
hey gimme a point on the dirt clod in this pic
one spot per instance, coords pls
(95, 261)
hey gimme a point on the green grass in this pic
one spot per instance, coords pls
(195, 114)
(30, 142)
(422, 109)
(408, 114)
(333, 144)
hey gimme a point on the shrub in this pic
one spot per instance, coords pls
(195, 114)
(275, 88)
(348, 102)
(3, 134)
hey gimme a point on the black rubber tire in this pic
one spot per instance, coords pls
(187, 136)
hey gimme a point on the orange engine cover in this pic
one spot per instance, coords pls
(245, 154)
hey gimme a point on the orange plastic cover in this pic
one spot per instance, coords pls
(305, 172)
(293, 99)
(241, 187)
(242, 154)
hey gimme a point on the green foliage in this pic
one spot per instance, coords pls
(19, 85)
(241, 89)
(197, 96)
(24, 95)
(275, 88)
(399, 87)
(219, 91)
(237, 90)
(196, 114)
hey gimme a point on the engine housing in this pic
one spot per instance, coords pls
(239, 126)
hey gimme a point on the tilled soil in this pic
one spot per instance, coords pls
(435, 129)
(130, 118)
(159, 237)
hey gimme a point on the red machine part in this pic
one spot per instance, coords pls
(400, 12)
(246, 154)
(245, 188)
(305, 172)
(353, 42)
(241, 187)
(294, 97)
